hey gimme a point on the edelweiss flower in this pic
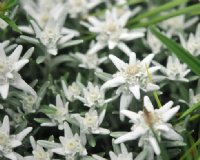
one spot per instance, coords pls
(194, 97)
(71, 144)
(91, 122)
(148, 120)
(111, 31)
(193, 43)
(174, 70)
(93, 96)
(89, 60)
(131, 78)
(9, 67)
(72, 91)
(81, 8)
(42, 10)
(8, 142)
(54, 35)
(60, 114)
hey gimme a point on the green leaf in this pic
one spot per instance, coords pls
(160, 18)
(10, 3)
(190, 110)
(41, 120)
(48, 110)
(10, 22)
(157, 10)
(192, 62)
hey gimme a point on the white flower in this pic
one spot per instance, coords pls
(9, 67)
(54, 35)
(91, 122)
(175, 70)
(38, 152)
(176, 24)
(111, 32)
(89, 60)
(93, 96)
(8, 142)
(71, 144)
(193, 42)
(73, 90)
(42, 10)
(124, 155)
(150, 118)
(81, 8)
(130, 78)
(60, 114)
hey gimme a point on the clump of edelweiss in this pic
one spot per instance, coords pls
(149, 120)
(9, 142)
(131, 77)
(9, 68)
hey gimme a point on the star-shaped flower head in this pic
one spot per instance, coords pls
(90, 124)
(131, 77)
(59, 115)
(9, 68)
(111, 32)
(8, 142)
(151, 119)
(193, 42)
(71, 144)
(42, 10)
(81, 8)
(174, 70)
(93, 96)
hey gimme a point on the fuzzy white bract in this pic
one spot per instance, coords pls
(9, 67)
(9, 142)
(111, 32)
(151, 119)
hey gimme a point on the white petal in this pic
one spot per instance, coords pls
(132, 58)
(119, 64)
(147, 60)
(16, 54)
(172, 135)
(125, 100)
(11, 156)
(131, 35)
(53, 51)
(136, 91)
(15, 143)
(153, 69)
(170, 113)
(4, 90)
(113, 156)
(132, 115)
(5, 125)
(59, 102)
(20, 64)
(155, 145)
(152, 87)
(19, 83)
(162, 127)
(124, 48)
(59, 151)
(68, 131)
(124, 18)
(165, 107)
(2, 52)
(148, 105)
(112, 44)
(123, 149)
(97, 47)
(131, 135)
(22, 134)
(113, 83)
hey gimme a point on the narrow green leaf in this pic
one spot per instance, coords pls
(160, 18)
(10, 22)
(157, 10)
(10, 3)
(190, 110)
(192, 62)
(48, 110)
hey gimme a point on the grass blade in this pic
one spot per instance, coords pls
(190, 110)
